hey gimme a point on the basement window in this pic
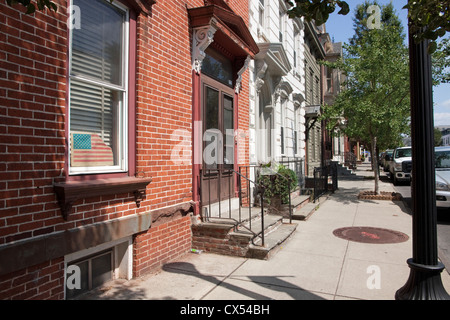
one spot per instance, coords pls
(92, 268)
(94, 271)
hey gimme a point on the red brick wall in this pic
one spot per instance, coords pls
(41, 282)
(33, 68)
(164, 101)
(32, 115)
(161, 244)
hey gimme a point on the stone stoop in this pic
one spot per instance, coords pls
(227, 237)
(344, 171)
(304, 207)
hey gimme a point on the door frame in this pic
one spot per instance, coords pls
(223, 90)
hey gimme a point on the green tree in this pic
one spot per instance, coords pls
(376, 102)
(441, 63)
(437, 137)
(429, 19)
(31, 5)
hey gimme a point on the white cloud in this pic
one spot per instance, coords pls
(443, 105)
(442, 118)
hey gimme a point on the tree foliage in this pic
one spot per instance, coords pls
(429, 19)
(376, 99)
(441, 62)
(31, 5)
(376, 102)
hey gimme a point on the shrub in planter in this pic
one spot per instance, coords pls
(278, 184)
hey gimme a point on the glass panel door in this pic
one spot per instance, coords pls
(218, 141)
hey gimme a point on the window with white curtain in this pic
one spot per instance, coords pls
(98, 88)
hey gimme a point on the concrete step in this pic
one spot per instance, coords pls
(270, 221)
(305, 211)
(243, 214)
(225, 236)
(344, 170)
(299, 200)
(272, 242)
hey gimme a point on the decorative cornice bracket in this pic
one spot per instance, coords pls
(201, 38)
(261, 68)
(237, 87)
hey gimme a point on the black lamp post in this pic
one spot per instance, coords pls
(424, 282)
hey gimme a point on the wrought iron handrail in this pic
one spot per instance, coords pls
(278, 174)
(231, 191)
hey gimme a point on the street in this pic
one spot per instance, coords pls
(443, 224)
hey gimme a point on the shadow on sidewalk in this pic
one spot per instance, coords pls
(274, 283)
(119, 289)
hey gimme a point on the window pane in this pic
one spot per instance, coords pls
(442, 159)
(94, 125)
(228, 124)
(101, 269)
(218, 67)
(212, 109)
(212, 133)
(83, 281)
(97, 45)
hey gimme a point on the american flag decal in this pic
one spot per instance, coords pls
(89, 150)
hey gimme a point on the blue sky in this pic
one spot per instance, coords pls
(341, 29)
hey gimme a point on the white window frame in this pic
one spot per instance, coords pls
(297, 51)
(122, 166)
(261, 14)
(122, 266)
(283, 113)
(282, 25)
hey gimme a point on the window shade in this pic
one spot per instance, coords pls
(94, 109)
(97, 85)
(97, 45)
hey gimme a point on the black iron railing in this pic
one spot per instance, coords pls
(223, 198)
(322, 177)
(350, 160)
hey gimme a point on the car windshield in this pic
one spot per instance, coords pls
(400, 153)
(442, 159)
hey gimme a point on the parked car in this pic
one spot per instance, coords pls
(442, 166)
(384, 163)
(395, 163)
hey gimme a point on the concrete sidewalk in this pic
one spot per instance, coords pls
(312, 264)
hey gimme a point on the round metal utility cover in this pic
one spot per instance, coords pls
(370, 235)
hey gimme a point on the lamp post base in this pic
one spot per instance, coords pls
(424, 283)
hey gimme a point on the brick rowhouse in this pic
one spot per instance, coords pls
(134, 216)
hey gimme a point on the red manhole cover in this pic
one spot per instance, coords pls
(370, 235)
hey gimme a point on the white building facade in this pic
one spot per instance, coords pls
(277, 84)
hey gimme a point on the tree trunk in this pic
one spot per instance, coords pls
(375, 164)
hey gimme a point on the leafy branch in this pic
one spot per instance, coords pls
(428, 19)
(31, 7)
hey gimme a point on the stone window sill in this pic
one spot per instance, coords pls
(69, 192)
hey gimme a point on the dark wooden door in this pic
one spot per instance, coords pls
(218, 141)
